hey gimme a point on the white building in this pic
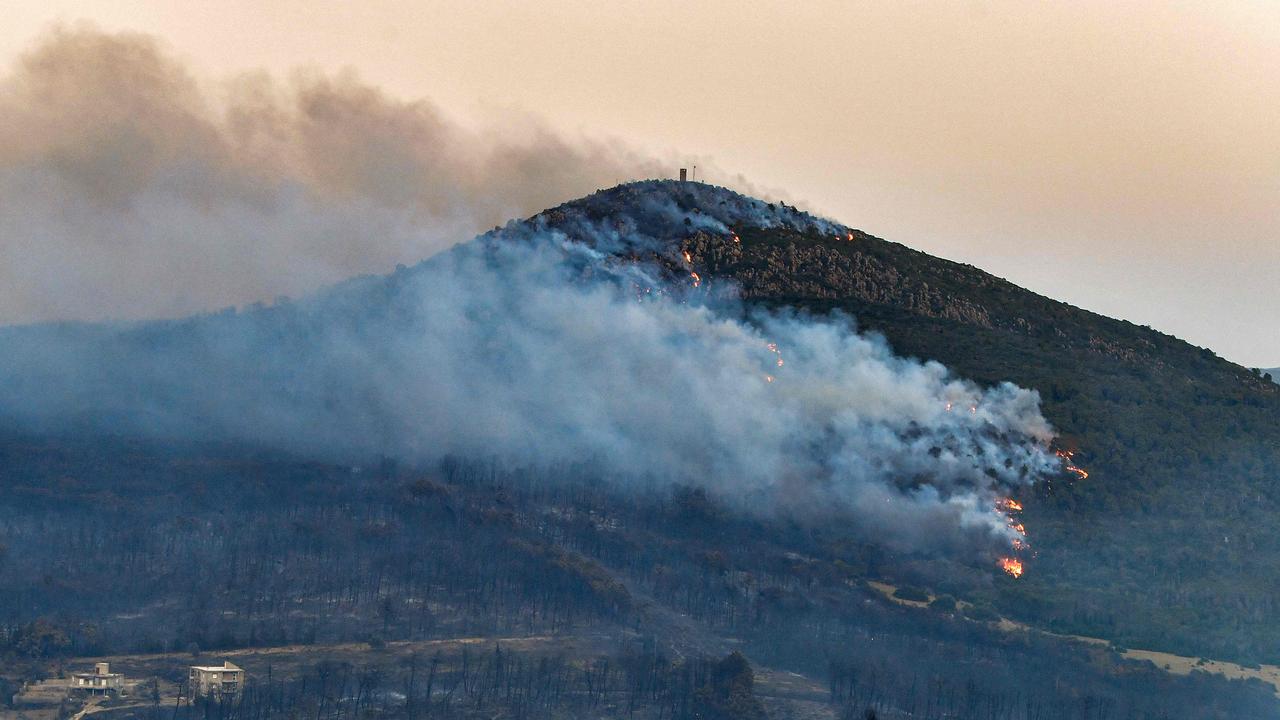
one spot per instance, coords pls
(216, 681)
(99, 682)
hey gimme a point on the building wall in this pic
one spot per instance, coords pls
(211, 682)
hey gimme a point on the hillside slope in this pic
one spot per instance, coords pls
(161, 494)
(1168, 544)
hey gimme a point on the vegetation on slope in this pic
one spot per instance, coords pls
(124, 547)
(109, 544)
(1168, 544)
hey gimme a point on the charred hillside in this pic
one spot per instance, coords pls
(1183, 447)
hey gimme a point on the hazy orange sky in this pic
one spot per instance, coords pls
(1124, 157)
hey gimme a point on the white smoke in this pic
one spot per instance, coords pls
(536, 346)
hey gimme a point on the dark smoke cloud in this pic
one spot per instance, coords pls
(130, 187)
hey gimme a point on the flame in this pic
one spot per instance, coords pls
(850, 237)
(697, 280)
(768, 378)
(1065, 456)
(736, 238)
(687, 257)
(773, 348)
(1012, 566)
(948, 407)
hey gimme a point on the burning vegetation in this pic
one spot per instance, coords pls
(1012, 566)
(1067, 464)
(1012, 509)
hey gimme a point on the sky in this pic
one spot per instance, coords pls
(1123, 157)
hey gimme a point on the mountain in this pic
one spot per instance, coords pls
(1181, 446)
(274, 476)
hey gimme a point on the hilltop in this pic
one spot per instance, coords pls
(1182, 446)
(161, 518)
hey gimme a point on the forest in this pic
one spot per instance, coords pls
(209, 549)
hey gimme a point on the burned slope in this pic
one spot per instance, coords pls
(1168, 543)
(124, 547)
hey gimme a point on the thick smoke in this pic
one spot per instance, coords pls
(133, 188)
(577, 337)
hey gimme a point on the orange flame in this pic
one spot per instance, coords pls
(1012, 566)
(773, 348)
(697, 280)
(736, 238)
(850, 237)
(1066, 456)
(1009, 504)
(687, 257)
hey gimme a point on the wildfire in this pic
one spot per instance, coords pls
(1065, 456)
(773, 348)
(850, 237)
(768, 378)
(687, 257)
(1009, 506)
(736, 239)
(697, 279)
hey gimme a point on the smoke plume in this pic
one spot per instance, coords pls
(134, 188)
(573, 338)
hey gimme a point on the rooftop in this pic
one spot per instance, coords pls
(216, 668)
